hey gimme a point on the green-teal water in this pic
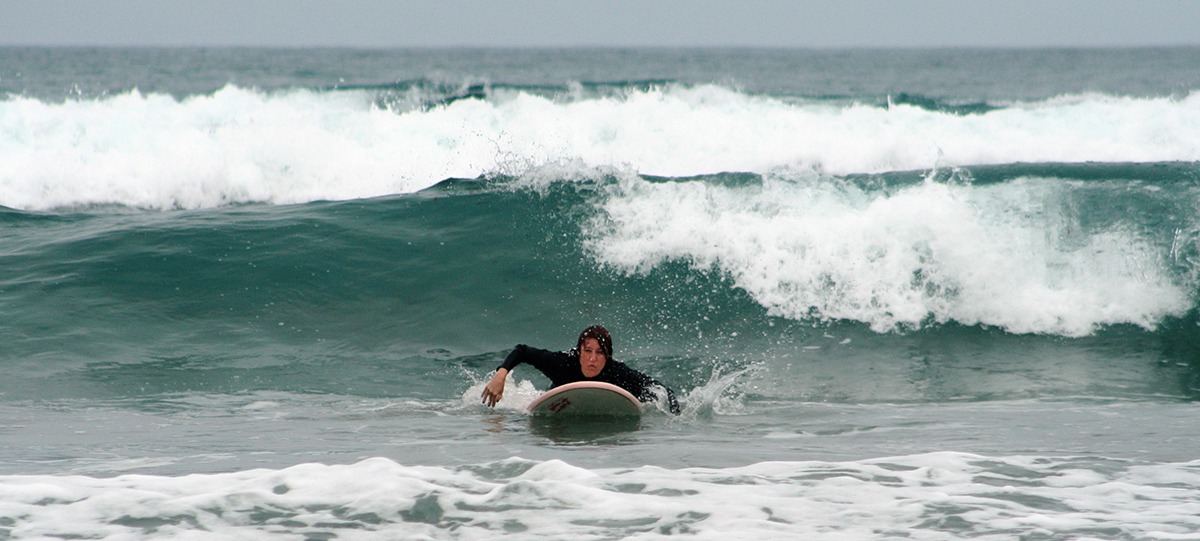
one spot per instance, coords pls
(951, 293)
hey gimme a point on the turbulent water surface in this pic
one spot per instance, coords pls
(925, 294)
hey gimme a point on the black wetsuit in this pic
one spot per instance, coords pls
(563, 367)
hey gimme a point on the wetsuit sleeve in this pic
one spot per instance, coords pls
(547, 362)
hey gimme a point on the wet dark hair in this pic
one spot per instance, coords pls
(600, 334)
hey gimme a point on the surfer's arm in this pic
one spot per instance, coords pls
(538, 358)
(543, 360)
(672, 404)
(647, 389)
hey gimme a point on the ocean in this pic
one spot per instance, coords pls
(901, 294)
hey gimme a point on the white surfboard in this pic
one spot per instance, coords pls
(586, 398)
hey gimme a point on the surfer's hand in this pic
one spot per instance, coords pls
(495, 388)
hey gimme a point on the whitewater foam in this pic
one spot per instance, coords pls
(518, 394)
(241, 145)
(806, 246)
(931, 496)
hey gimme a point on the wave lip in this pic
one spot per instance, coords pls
(240, 145)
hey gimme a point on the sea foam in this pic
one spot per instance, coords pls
(929, 496)
(1012, 255)
(240, 145)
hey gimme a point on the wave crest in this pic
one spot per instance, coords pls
(1021, 256)
(241, 145)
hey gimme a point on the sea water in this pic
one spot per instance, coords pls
(926, 294)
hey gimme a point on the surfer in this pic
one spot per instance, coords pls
(591, 360)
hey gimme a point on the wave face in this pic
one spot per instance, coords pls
(1033, 254)
(743, 266)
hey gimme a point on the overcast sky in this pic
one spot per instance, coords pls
(557, 23)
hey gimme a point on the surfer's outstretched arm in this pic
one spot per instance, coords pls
(538, 358)
(495, 388)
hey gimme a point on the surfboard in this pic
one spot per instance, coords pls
(586, 399)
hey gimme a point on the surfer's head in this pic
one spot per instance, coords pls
(594, 348)
(600, 334)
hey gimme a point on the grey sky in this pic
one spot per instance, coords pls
(553, 23)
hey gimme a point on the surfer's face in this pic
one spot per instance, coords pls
(591, 358)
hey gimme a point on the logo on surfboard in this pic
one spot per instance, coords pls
(559, 405)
